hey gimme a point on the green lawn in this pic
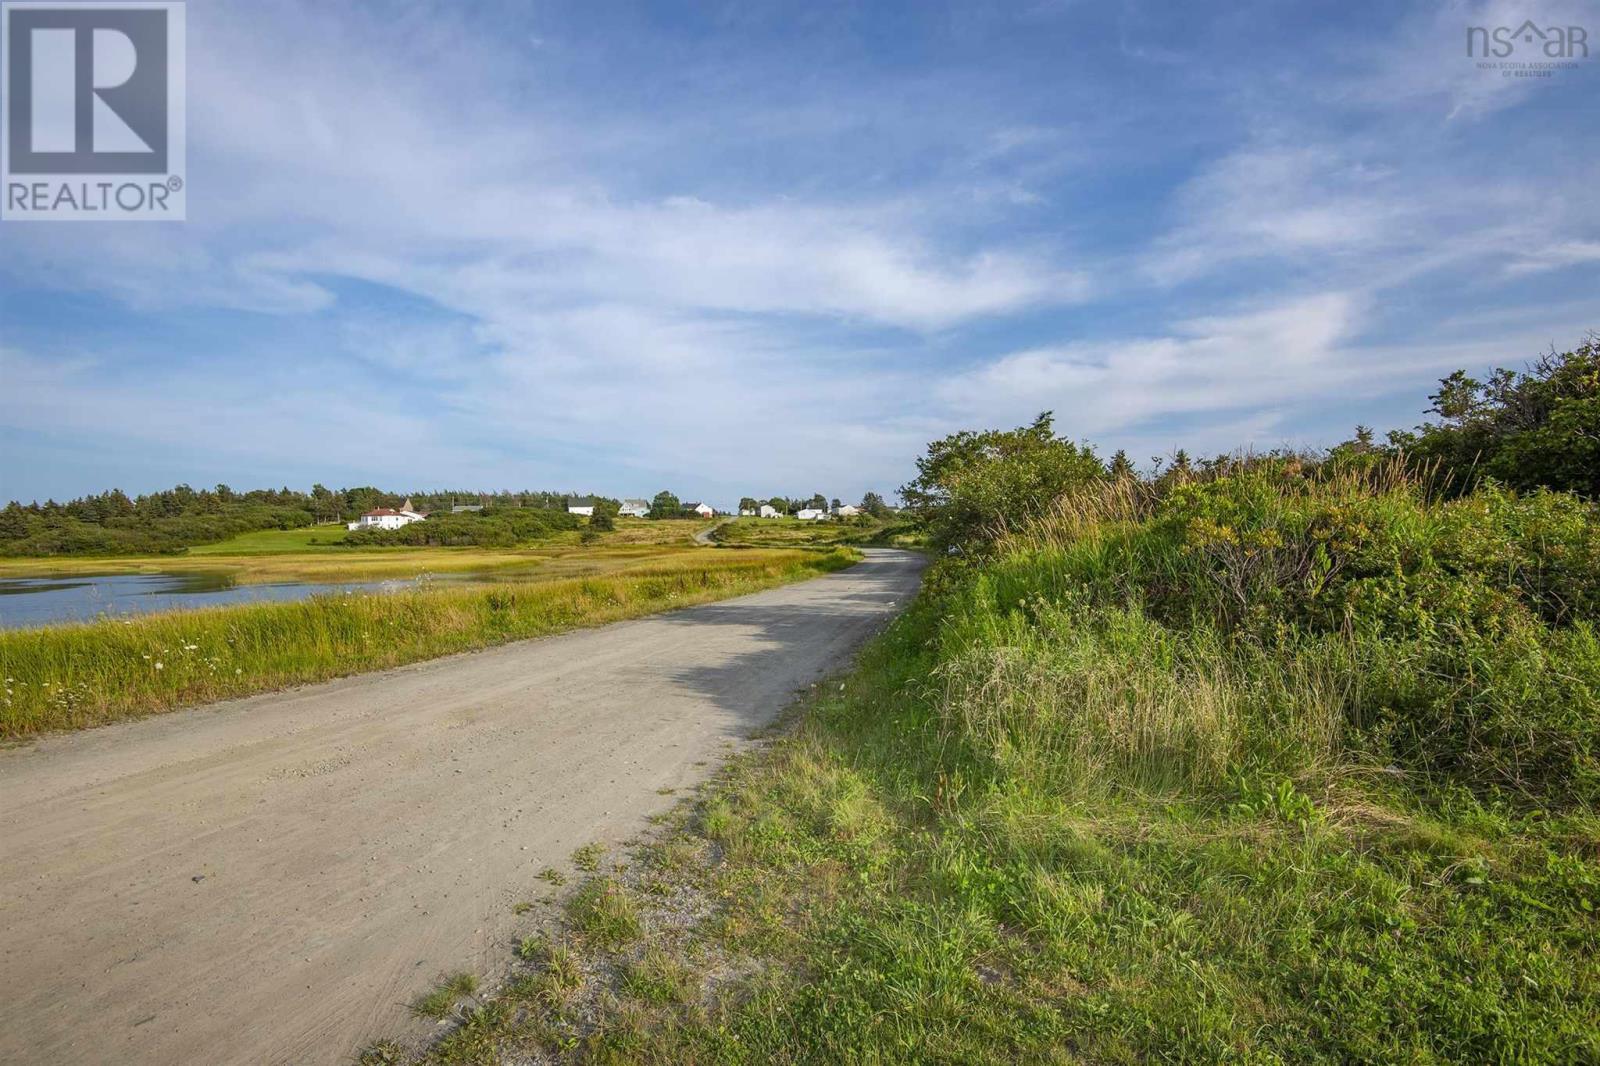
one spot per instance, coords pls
(275, 541)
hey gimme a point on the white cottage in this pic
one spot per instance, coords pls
(388, 518)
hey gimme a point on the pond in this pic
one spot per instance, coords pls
(39, 601)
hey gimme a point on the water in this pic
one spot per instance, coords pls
(39, 601)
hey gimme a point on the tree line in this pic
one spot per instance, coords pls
(1530, 429)
(170, 520)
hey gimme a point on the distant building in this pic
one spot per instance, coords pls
(810, 514)
(701, 509)
(848, 511)
(769, 511)
(388, 518)
(463, 508)
(583, 505)
(635, 508)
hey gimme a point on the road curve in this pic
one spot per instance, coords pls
(271, 880)
(706, 538)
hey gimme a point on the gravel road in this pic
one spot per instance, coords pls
(271, 880)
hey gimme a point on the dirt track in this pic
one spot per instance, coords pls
(271, 880)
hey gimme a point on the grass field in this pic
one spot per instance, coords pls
(73, 676)
(1266, 770)
(793, 533)
(315, 554)
(275, 541)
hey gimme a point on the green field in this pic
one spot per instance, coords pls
(275, 541)
(74, 676)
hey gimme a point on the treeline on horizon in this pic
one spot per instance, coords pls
(1529, 429)
(167, 522)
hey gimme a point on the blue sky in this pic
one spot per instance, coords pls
(776, 248)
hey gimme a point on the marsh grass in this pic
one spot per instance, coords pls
(74, 676)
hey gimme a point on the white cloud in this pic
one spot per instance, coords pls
(1216, 363)
(1555, 257)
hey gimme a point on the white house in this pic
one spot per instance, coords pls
(769, 511)
(635, 508)
(388, 518)
(583, 505)
(810, 514)
(848, 511)
(701, 509)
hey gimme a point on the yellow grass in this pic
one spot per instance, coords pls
(73, 676)
(289, 555)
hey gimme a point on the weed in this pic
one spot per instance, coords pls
(604, 912)
(447, 994)
(587, 858)
(658, 977)
(383, 1053)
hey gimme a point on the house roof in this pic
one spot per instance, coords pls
(580, 501)
(382, 512)
(636, 503)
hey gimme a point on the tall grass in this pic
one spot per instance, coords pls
(73, 676)
(1075, 703)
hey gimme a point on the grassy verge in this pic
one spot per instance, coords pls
(1117, 795)
(72, 676)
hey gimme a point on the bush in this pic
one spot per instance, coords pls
(493, 528)
(973, 487)
(1280, 614)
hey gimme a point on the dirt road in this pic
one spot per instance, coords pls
(706, 538)
(271, 880)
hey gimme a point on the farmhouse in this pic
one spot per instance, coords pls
(701, 509)
(769, 511)
(810, 514)
(848, 511)
(583, 505)
(635, 508)
(388, 518)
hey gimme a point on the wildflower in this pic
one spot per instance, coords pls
(159, 666)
